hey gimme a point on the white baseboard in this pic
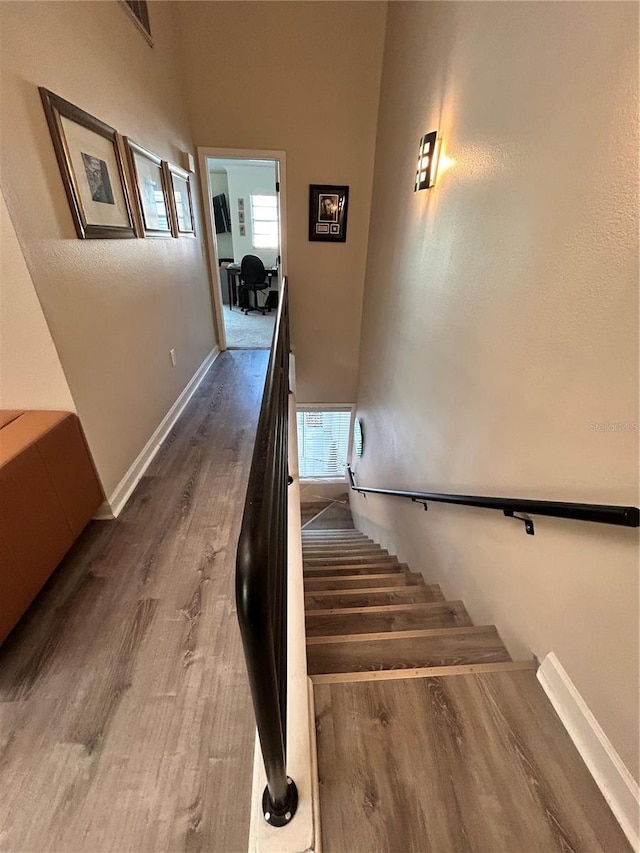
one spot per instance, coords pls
(617, 785)
(116, 501)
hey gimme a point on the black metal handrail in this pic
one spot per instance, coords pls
(625, 516)
(261, 577)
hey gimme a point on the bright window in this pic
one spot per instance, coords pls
(264, 221)
(323, 443)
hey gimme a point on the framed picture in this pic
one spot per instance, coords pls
(139, 11)
(92, 170)
(181, 201)
(328, 213)
(152, 191)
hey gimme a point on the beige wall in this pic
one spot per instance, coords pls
(500, 322)
(303, 78)
(114, 307)
(31, 376)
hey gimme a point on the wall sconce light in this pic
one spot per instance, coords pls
(427, 161)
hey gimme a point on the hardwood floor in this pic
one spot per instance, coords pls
(451, 764)
(125, 715)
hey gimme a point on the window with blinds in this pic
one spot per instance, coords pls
(264, 221)
(323, 443)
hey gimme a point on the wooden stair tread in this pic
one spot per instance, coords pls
(396, 617)
(349, 598)
(327, 533)
(396, 652)
(333, 541)
(351, 568)
(392, 635)
(357, 581)
(347, 545)
(348, 560)
(319, 553)
(423, 672)
(482, 759)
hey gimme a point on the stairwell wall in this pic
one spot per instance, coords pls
(114, 307)
(499, 344)
(303, 78)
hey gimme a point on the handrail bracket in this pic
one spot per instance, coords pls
(528, 522)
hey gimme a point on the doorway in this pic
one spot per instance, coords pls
(244, 211)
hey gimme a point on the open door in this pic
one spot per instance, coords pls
(245, 215)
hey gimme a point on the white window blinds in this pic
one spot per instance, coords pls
(264, 221)
(323, 443)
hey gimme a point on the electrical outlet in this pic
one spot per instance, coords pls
(172, 356)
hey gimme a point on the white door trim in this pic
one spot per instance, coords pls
(239, 154)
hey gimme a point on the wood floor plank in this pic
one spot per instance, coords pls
(125, 715)
(448, 764)
(401, 652)
(390, 618)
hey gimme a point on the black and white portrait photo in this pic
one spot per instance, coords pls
(328, 208)
(98, 177)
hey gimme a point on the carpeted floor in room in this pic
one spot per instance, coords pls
(248, 331)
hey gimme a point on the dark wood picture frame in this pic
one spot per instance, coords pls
(138, 11)
(145, 226)
(328, 207)
(172, 173)
(109, 184)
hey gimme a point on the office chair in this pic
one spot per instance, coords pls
(253, 277)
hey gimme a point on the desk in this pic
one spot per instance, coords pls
(233, 277)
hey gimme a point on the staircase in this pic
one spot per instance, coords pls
(430, 737)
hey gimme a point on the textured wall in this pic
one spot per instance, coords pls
(31, 375)
(245, 181)
(114, 307)
(303, 78)
(500, 323)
